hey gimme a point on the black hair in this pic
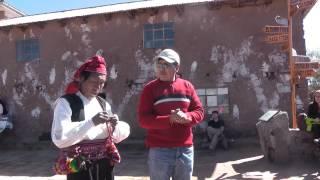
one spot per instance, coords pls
(85, 74)
(215, 111)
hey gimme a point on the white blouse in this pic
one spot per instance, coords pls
(66, 133)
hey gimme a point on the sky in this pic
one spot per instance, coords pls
(311, 25)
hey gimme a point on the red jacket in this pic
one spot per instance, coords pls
(157, 100)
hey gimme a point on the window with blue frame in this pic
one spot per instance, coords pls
(27, 50)
(159, 35)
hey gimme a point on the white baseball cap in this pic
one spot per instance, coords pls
(170, 56)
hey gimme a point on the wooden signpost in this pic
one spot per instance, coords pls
(306, 65)
(300, 58)
(299, 66)
(306, 72)
(278, 38)
(275, 29)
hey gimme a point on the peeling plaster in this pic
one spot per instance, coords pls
(214, 54)
(261, 98)
(17, 98)
(125, 100)
(32, 35)
(284, 85)
(86, 40)
(145, 65)
(99, 52)
(299, 103)
(193, 69)
(243, 70)
(68, 32)
(4, 77)
(10, 37)
(68, 75)
(277, 58)
(36, 112)
(145, 72)
(151, 19)
(65, 55)
(282, 88)
(265, 67)
(28, 71)
(236, 112)
(274, 101)
(165, 16)
(30, 77)
(52, 76)
(85, 28)
(234, 62)
(113, 72)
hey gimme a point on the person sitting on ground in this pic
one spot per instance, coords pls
(314, 113)
(3, 109)
(215, 131)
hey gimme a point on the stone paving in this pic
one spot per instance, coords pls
(241, 161)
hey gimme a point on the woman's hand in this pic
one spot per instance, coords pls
(104, 117)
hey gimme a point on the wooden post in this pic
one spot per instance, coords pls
(292, 69)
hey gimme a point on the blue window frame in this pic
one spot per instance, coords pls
(158, 35)
(27, 50)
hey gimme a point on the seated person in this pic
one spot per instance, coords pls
(4, 119)
(314, 113)
(3, 110)
(215, 131)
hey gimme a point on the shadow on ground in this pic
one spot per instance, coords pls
(242, 161)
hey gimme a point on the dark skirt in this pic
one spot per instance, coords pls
(100, 170)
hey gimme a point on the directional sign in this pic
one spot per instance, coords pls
(300, 58)
(304, 4)
(279, 38)
(306, 72)
(275, 29)
(306, 65)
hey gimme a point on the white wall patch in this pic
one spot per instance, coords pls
(52, 76)
(65, 55)
(235, 112)
(113, 72)
(4, 77)
(36, 112)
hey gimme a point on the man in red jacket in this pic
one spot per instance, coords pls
(169, 107)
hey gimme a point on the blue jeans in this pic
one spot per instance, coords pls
(171, 162)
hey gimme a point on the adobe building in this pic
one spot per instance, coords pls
(221, 43)
(7, 11)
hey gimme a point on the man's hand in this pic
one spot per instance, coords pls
(178, 116)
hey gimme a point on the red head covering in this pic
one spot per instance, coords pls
(95, 64)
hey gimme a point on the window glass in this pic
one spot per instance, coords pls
(27, 50)
(159, 35)
(214, 99)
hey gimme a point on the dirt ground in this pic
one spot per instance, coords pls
(243, 160)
